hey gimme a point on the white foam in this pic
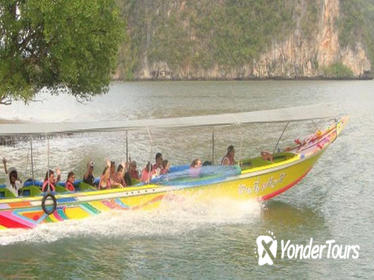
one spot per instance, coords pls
(172, 218)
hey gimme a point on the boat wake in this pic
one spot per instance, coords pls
(171, 218)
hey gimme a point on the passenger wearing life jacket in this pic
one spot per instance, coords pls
(157, 167)
(195, 168)
(147, 173)
(165, 167)
(228, 159)
(13, 184)
(113, 171)
(69, 185)
(119, 179)
(105, 181)
(50, 180)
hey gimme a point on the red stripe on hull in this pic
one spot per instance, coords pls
(9, 223)
(268, 196)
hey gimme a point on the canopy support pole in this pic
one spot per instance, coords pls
(48, 184)
(127, 146)
(240, 146)
(213, 159)
(280, 137)
(32, 160)
(48, 153)
(151, 144)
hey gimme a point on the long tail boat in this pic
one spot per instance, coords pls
(253, 178)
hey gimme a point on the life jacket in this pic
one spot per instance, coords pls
(146, 175)
(164, 171)
(51, 186)
(156, 166)
(195, 171)
(69, 186)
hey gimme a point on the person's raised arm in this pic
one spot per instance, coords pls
(125, 166)
(58, 173)
(4, 163)
(107, 171)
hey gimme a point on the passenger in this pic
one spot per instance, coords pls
(195, 167)
(119, 176)
(105, 182)
(165, 167)
(207, 163)
(113, 171)
(157, 167)
(50, 181)
(147, 173)
(89, 177)
(69, 185)
(131, 174)
(13, 184)
(228, 159)
(267, 156)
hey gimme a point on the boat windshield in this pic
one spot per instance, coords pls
(184, 175)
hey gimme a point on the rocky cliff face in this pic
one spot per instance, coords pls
(298, 54)
(298, 57)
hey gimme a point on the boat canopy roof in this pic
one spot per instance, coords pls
(290, 114)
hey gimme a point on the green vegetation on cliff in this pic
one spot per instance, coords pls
(222, 36)
(337, 70)
(200, 34)
(356, 25)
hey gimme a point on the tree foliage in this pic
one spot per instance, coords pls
(59, 45)
(337, 71)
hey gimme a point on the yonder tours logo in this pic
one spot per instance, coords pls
(267, 250)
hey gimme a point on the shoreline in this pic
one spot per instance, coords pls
(8, 121)
(247, 79)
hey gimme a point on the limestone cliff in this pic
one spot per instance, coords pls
(175, 42)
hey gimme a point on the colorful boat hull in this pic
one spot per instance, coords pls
(261, 183)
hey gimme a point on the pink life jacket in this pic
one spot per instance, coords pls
(45, 186)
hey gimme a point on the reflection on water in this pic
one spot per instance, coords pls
(284, 216)
(335, 201)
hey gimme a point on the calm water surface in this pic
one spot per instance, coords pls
(190, 240)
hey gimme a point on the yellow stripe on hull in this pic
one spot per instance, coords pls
(75, 213)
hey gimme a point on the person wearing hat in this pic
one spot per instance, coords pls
(228, 159)
(13, 183)
(89, 177)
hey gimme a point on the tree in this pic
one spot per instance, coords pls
(68, 46)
